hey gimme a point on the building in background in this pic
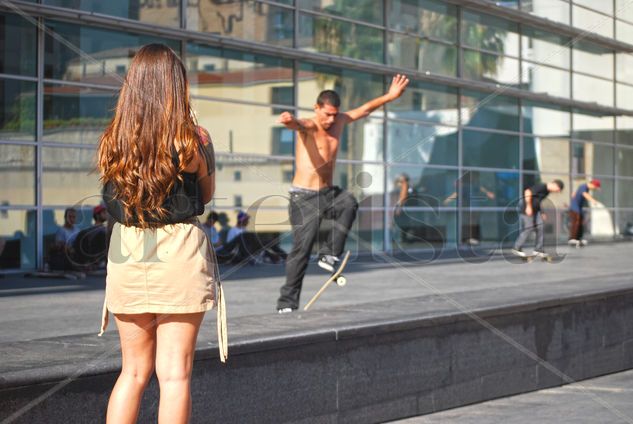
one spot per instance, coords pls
(503, 95)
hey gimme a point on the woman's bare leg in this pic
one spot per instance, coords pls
(176, 341)
(138, 350)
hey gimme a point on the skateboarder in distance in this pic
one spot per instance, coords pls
(312, 194)
(531, 217)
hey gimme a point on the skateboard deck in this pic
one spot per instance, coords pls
(528, 258)
(336, 276)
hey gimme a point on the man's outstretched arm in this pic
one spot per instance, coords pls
(398, 85)
(292, 123)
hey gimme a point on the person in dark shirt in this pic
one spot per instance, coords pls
(531, 218)
(576, 215)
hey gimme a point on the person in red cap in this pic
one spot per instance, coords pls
(576, 215)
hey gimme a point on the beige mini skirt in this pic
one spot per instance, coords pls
(167, 270)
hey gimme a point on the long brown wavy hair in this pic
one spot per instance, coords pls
(153, 117)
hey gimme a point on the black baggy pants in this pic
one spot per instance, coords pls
(307, 209)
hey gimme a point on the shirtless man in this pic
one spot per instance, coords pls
(312, 195)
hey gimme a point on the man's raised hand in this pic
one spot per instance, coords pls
(398, 85)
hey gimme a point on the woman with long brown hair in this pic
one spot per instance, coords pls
(157, 170)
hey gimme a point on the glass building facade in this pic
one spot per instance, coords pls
(504, 94)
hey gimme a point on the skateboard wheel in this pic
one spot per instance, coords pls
(341, 281)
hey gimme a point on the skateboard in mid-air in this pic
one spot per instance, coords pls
(337, 276)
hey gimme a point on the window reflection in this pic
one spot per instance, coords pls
(428, 187)
(225, 122)
(420, 143)
(625, 164)
(539, 78)
(368, 11)
(165, 13)
(105, 54)
(76, 115)
(489, 110)
(243, 19)
(490, 68)
(489, 227)
(19, 55)
(490, 150)
(490, 33)
(69, 177)
(422, 55)
(593, 127)
(229, 74)
(555, 10)
(354, 87)
(364, 181)
(421, 229)
(546, 154)
(624, 132)
(486, 189)
(426, 102)
(17, 175)
(17, 110)
(17, 239)
(545, 48)
(591, 21)
(592, 59)
(592, 159)
(546, 120)
(429, 18)
(340, 38)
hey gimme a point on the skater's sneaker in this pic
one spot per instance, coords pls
(584, 242)
(329, 262)
(539, 254)
(473, 242)
(518, 252)
(284, 310)
(573, 242)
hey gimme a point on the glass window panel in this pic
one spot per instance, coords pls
(489, 227)
(362, 140)
(262, 183)
(545, 154)
(490, 150)
(17, 239)
(429, 18)
(625, 220)
(600, 6)
(594, 90)
(17, 110)
(365, 181)
(591, 21)
(225, 122)
(164, 13)
(592, 127)
(624, 68)
(555, 201)
(422, 55)
(542, 79)
(246, 20)
(623, 96)
(489, 33)
(69, 176)
(420, 143)
(360, 10)
(354, 88)
(624, 133)
(76, 115)
(426, 102)
(366, 234)
(605, 195)
(428, 187)
(546, 120)
(545, 47)
(624, 32)
(555, 10)
(624, 10)
(592, 59)
(489, 110)
(340, 38)
(237, 75)
(419, 229)
(105, 54)
(490, 68)
(17, 175)
(624, 158)
(625, 195)
(19, 55)
(592, 159)
(488, 189)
